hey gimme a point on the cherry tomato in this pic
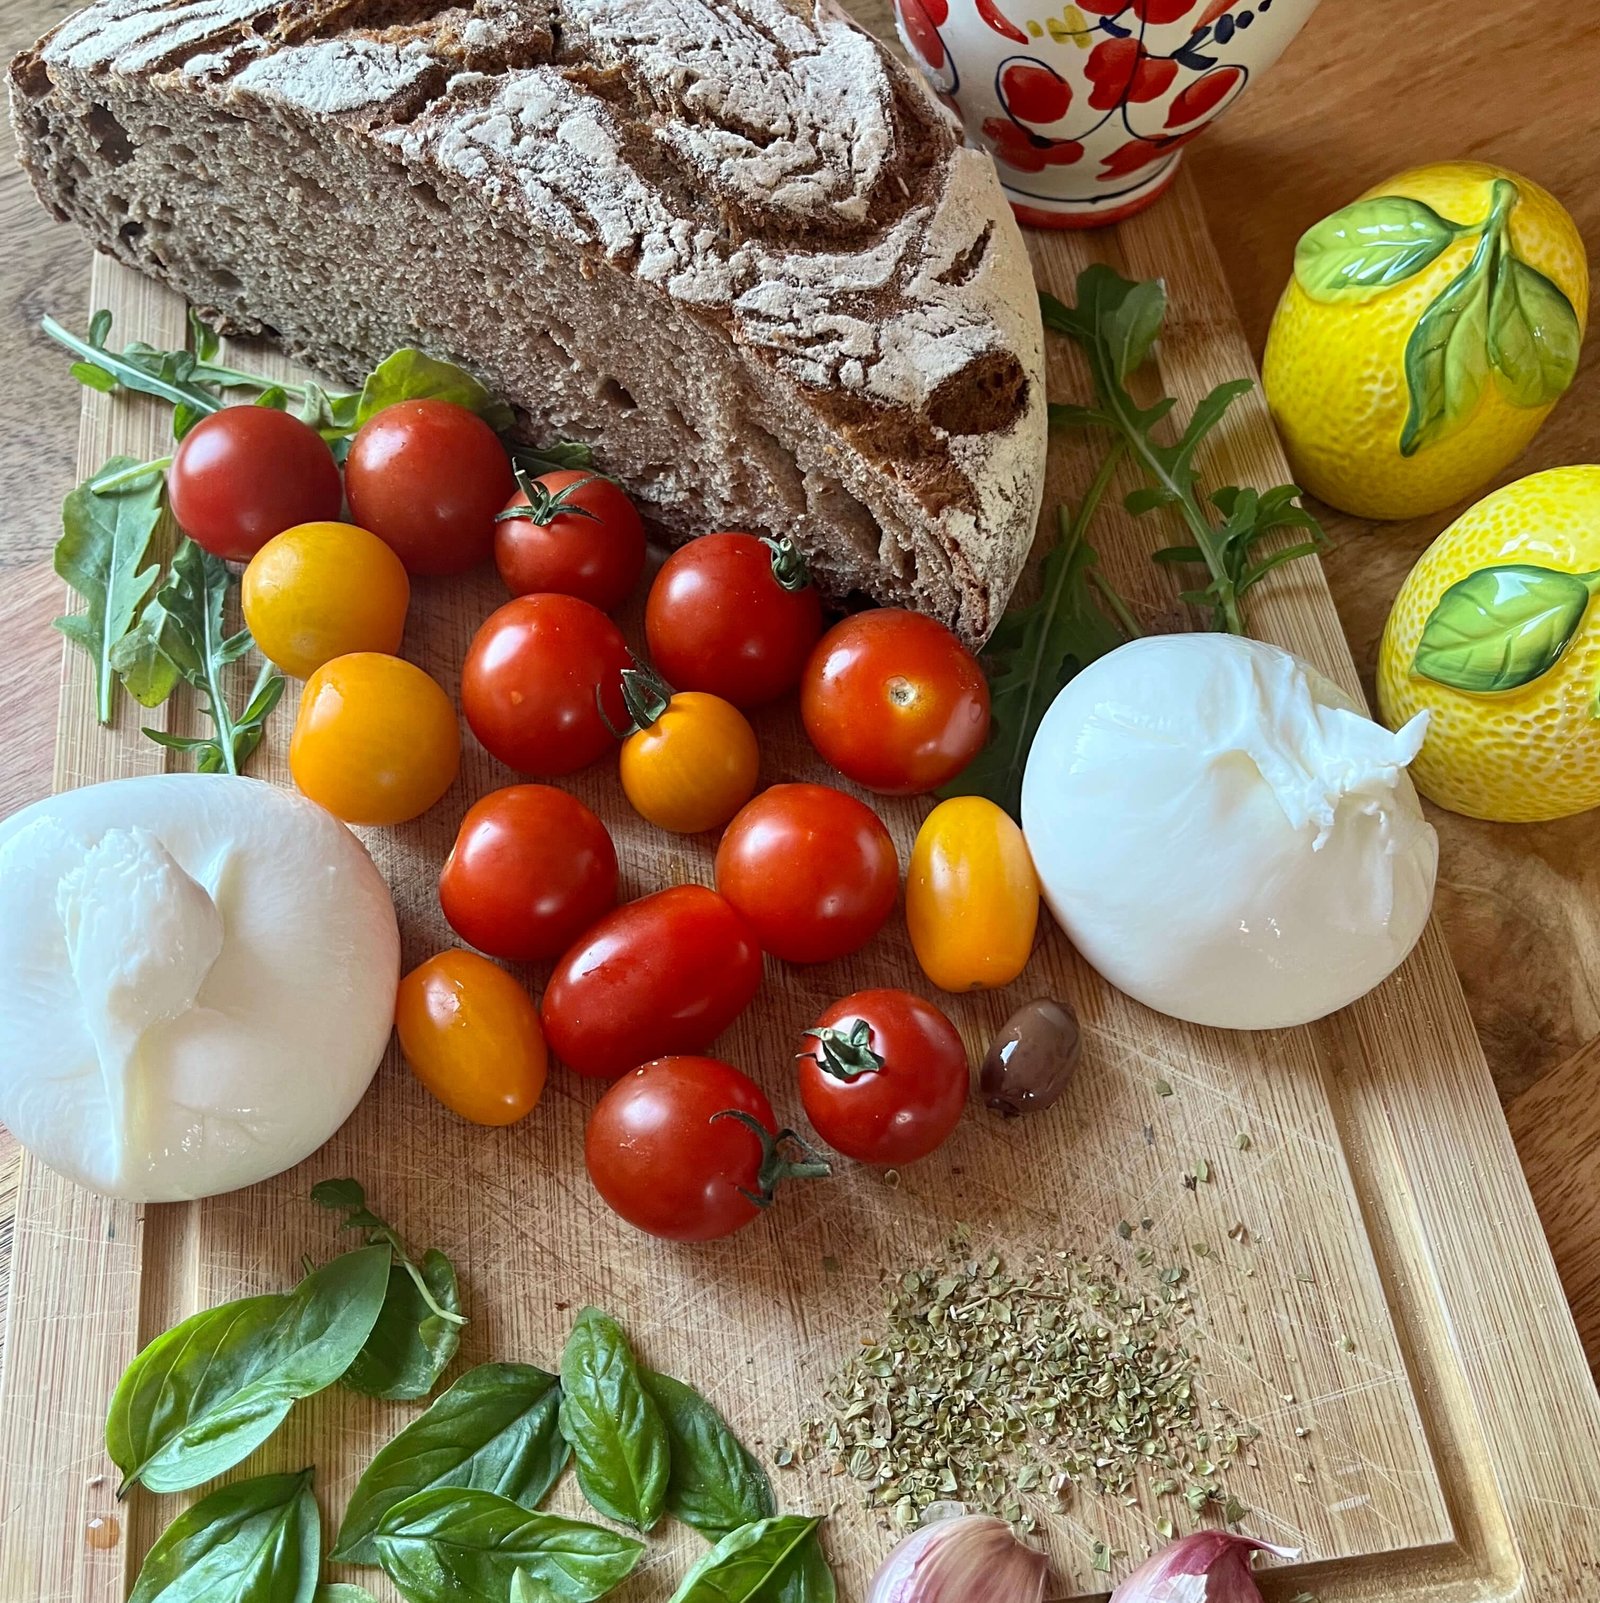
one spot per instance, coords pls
(532, 868)
(894, 701)
(427, 477)
(535, 678)
(735, 615)
(972, 896)
(471, 1035)
(322, 590)
(580, 536)
(667, 973)
(812, 869)
(247, 473)
(692, 759)
(883, 1077)
(375, 741)
(687, 1148)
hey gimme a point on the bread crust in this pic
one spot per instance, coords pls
(758, 182)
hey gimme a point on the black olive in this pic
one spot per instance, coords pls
(1030, 1062)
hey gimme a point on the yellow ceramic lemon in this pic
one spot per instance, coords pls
(1427, 331)
(1496, 631)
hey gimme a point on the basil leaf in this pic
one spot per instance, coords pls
(254, 1541)
(419, 1329)
(1447, 354)
(211, 1390)
(105, 538)
(342, 1592)
(806, 1578)
(524, 1589)
(493, 1431)
(1502, 627)
(714, 1484)
(618, 1438)
(744, 1562)
(1364, 248)
(449, 1543)
(410, 1345)
(1533, 334)
(409, 375)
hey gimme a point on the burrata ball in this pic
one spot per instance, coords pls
(1224, 834)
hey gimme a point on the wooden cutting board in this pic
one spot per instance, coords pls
(1391, 1320)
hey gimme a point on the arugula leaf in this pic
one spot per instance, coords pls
(713, 1484)
(742, 1566)
(419, 1329)
(187, 629)
(563, 455)
(453, 1542)
(409, 375)
(618, 1438)
(1111, 323)
(1036, 649)
(168, 375)
(493, 1431)
(253, 1541)
(105, 538)
(207, 1393)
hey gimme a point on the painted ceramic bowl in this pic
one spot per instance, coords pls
(1085, 108)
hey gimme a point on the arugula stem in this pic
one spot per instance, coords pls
(1118, 607)
(1112, 399)
(129, 374)
(127, 476)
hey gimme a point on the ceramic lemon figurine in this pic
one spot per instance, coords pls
(1496, 633)
(1427, 331)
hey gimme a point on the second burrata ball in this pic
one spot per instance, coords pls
(1224, 834)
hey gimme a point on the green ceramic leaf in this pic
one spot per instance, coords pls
(1447, 356)
(1533, 334)
(1363, 249)
(1502, 627)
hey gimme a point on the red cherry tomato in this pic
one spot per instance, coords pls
(532, 868)
(812, 869)
(883, 1077)
(681, 1146)
(247, 473)
(427, 478)
(734, 615)
(530, 682)
(895, 702)
(667, 973)
(580, 536)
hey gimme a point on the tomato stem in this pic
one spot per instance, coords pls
(845, 1054)
(544, 505)
(788, 562)
(776, 1163)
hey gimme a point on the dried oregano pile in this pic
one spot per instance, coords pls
(1007, 1389)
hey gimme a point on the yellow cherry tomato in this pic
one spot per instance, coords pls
(322, 590)
(692, 764)
(471, 1034)
(972, 896)
(375, 741)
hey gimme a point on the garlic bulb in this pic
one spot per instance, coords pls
(970, 1559)
(1208, 1567)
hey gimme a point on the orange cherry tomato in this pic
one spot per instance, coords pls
(375, 741)
(894, 701)
(691, 762)
(471, 1034)
(322, 590)
(972, 896)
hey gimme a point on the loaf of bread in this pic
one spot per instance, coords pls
(731, 243)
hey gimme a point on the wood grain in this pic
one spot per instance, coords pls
(1367, 89)
(1388, 1368)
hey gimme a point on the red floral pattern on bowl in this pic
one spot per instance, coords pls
(1085, 107)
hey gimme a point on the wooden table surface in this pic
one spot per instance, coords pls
(1371, 86)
